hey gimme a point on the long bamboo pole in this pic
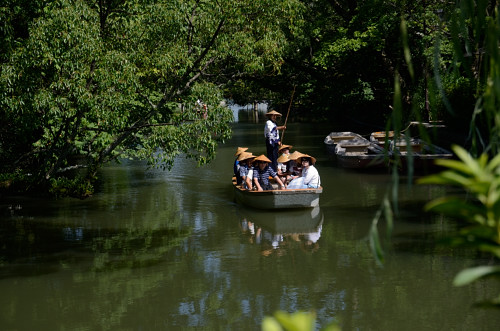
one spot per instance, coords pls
(287, 113)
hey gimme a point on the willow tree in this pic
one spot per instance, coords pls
(97, 80)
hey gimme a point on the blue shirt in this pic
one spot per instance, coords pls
(263, 175)
(244, 169)
(236, 168)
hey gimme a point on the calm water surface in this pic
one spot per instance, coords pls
(156, 250)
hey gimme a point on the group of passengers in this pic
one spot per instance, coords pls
(289, 170)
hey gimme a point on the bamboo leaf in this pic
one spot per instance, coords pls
(470, 275)
(437, 179)
(271, 324)
(467, 158)
(389, 217)
(454, 206)
(455, 165)
(374, 238)
(494, 163)
(298, 321)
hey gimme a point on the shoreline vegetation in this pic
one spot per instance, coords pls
(86, 83)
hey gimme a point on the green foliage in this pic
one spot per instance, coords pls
(465, 92)
(77, 187)
(93, 81)
(298, 321)
(481, 179)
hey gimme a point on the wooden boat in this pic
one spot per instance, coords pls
(418, 153)
(380, 137)
(360, 153)
(277, 199)
(334, 137)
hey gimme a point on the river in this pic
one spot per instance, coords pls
(155, 250)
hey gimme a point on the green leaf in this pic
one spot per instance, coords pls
(467, 159)
(470, 275)
(374, 238)
(454, 206)
(271, 324)
(455, 165)
(298, 321)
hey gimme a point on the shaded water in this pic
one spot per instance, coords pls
(157, 250)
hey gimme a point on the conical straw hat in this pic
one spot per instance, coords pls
(273, 112)
(262, 157)
(283, 158)
(295, 155)
(285, 146)
(239, 150)
(245, 155)
(299, 159)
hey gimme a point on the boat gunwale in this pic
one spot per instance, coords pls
(279, 191)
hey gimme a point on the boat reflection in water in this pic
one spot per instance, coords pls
(277, 232)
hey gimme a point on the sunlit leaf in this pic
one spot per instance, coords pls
(470, 275)
(298, 321)
(271, 324)
(454, 206)
(455, 165)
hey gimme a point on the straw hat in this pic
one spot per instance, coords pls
(263, 158)
(273, 112)
(284, 147)
(245, 156)
(295, 155)
(239, 150)
(299, 159)
(283, 158)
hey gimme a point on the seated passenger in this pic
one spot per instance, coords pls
(285, 150)
(309, 177)
(236, 166)
(283, 168)
(246, 170)
(294, 168)
(261, 173)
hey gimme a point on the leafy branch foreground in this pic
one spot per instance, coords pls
(84, 83)
(481, 179)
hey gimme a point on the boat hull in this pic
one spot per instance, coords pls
(278, 199)
(361, 161)
(360, 153)
(419, 155)
(335, 137)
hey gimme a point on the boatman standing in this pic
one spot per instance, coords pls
(273, 137)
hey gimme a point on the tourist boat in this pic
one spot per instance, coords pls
(277, 199)
(360, 153)
(334, 137)
(418, 153)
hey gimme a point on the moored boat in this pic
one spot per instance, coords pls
(277, 199)
(333, 138)
(381, 137)
(360, 153)
(418, 153)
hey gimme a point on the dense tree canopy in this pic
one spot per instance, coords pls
(85, 82)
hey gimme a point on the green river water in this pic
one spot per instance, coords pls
(154, 250)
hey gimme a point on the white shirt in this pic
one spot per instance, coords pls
(311, 176)
(271, 132)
